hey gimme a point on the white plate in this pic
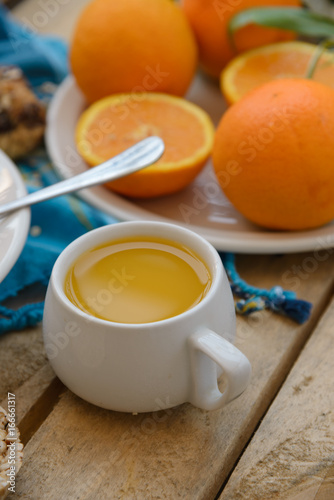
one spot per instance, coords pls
(201, 207)
(14, 228)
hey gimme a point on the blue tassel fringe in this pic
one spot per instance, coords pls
(253, 299)
(28, 315)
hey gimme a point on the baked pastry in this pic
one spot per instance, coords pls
(10, 453)
(22, 114)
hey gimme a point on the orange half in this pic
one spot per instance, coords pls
(276, 61)
(114, 123)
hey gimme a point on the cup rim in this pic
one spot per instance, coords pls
(62, 265)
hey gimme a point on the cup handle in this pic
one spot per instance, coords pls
(207, 350)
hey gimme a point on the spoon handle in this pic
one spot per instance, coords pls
(139, 156)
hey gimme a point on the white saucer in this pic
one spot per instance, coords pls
(14, 228)
(201, 207)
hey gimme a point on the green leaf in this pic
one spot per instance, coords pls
(299, 20)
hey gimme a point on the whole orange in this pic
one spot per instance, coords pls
(209, 20)
(132, 45)
(274, 154)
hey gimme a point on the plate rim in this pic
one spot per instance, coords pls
(23, 219)
(244, 242)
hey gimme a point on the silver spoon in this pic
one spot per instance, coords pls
(139, 156)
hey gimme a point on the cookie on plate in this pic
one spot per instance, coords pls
(22, 115)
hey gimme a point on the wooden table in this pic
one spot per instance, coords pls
(274, 442)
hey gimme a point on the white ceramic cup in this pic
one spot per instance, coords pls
(151, 366)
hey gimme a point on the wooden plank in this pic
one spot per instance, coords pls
(326, 490)
(25, 372)
(30, 391)
(292, 453)
(81, 451)
(21, 356)
(11, 3)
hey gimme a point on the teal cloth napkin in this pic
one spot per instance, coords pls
(57, 222)
(41, 58)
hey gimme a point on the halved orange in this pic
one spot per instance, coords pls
(276, 61)
(114, 123)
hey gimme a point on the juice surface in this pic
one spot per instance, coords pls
(137, 281)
